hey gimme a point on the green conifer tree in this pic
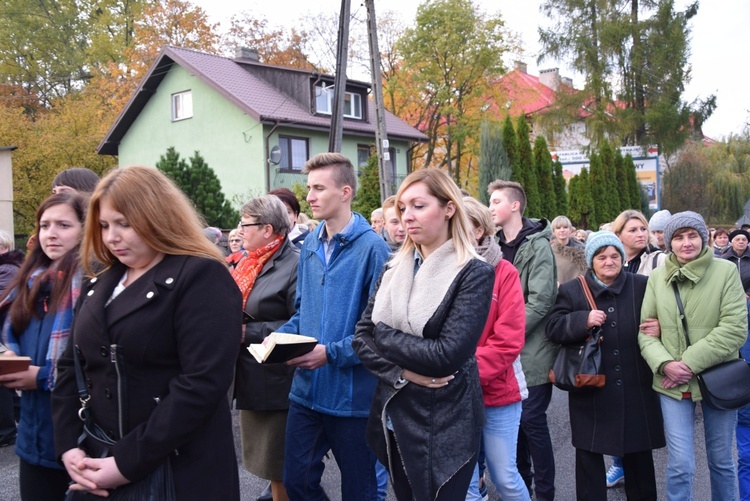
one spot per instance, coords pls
(368, 193)
(598, 184)
(582, 211)
(528, 170)
(547, 195)
(493, 159)
(622, 181)
(607, 157)
(510, 142)
(201, 185)
(561, 196)
(634, 187)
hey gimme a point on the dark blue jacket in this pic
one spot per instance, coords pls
(330, 299)
(35, 441)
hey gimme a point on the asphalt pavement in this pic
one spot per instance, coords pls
(251, 486)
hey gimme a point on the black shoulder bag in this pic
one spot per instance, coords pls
(156, 486)
(578, 366)
(725, 386)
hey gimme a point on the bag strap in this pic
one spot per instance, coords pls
(587, 291)
(682, 311)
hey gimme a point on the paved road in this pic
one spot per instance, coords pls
(564, 457)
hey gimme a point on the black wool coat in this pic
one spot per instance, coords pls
(265, 387)
(175, 334)
(625, 415)
(437, 430)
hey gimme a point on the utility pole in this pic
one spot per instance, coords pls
(381, 136)
(339, 85)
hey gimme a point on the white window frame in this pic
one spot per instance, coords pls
(182, 105)
(324, 94)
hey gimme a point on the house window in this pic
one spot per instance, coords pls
(324, 102)
(182, 105)
(363, 155)
(294, 152)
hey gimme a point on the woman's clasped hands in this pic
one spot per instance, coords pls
(91, 474)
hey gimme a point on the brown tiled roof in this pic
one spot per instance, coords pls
(237, 82)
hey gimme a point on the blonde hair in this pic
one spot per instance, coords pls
(561, 222)
(620, 221)
(442, 187)
(156, 209)
(479, 215)
(389, 202)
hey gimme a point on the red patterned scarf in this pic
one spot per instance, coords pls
(247, 270)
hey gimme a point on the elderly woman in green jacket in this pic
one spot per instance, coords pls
(716, 314)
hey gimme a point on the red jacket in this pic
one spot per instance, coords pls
(502, 340)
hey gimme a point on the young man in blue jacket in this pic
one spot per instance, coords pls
(330, 398)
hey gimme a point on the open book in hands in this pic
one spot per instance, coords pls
(10, 364)
(279, 347)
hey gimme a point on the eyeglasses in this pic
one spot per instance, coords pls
(245, 225)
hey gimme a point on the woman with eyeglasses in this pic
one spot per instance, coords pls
(267, 278)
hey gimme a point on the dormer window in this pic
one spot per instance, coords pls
(324, 102)
(182, 105)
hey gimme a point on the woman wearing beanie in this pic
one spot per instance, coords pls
(716, 318)
(623, 417)
(656, 225)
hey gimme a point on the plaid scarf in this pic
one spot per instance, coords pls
(248, 269)
(60, 326)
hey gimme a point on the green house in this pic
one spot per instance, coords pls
(254, 124)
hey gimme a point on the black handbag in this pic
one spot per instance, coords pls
(156, 486)
(725, 386)
(578, 366)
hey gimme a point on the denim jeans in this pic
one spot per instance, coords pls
(309, 435)
(718, 429)
(500, 436)
(743, 452)
(535, 444)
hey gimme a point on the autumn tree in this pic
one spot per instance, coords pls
(274, 44)
(452, 54)
(528, 169)
(493, 159)
(543, 163)
(201, 185)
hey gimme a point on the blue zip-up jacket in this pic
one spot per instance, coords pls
(330, 300)
(35, 440)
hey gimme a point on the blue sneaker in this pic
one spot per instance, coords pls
(615, 476)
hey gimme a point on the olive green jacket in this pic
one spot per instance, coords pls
(536, 267)
(716, 313)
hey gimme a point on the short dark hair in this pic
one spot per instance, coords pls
(288, 197)
(343, 170)
(79, 178)
(514, 191)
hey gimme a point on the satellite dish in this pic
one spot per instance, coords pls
(275, 155)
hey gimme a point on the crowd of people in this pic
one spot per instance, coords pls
(437, 323)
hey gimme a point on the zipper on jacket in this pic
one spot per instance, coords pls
(113, 353)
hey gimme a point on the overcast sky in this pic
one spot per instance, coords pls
(719, 50)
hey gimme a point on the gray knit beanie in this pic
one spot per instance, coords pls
(659, 220)
(687, 219)
(601, 239)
